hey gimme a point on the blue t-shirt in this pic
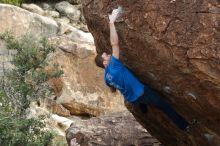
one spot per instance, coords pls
(119, 77)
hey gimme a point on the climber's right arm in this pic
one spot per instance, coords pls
(114, 40)
(113, 33)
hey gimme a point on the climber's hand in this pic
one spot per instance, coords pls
(114, 15)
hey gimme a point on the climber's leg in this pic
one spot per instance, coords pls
(152, 98)
(140, 104)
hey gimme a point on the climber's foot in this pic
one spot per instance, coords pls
(193, 124)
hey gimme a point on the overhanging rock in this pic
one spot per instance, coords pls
(174, 47)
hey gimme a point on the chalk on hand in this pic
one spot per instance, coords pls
(117, 11)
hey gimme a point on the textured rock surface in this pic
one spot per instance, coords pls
(51, 13)
(5, 58)
(74, 1)
(33, 8)
(118, 129)
(82, 90)
(57, 108)
(66, 9)
(20, 22)
(174, 46)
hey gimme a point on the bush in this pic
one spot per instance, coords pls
(13, 2)
(27, 82)
(17, 131)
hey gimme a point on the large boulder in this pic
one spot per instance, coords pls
(118, 129)
(66, 9)
(174, 47)
(20, 22)
(82, 90)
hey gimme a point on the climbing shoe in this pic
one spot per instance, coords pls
(143, 107)
(193, 124)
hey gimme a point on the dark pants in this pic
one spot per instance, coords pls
(150, 97)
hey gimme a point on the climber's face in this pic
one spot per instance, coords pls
(106, 58)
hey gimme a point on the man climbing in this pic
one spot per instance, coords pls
(117, 76)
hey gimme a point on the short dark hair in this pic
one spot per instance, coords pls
(99, 61)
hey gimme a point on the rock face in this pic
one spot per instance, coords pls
(118, 129)
(81, 90)
(33, 8)
(57, 108)
(5, 58)
(66, 9)
(22, 22)
(174, 46)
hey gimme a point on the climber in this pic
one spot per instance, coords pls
(117, 76)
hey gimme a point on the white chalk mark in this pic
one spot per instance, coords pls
(172, 1)
(167, 89)
(209, 137)
(152, 76)
(192, 95)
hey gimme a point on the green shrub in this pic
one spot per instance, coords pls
(27, 82)
(13, 2)
(16, 130)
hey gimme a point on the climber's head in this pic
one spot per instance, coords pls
(102, 60)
